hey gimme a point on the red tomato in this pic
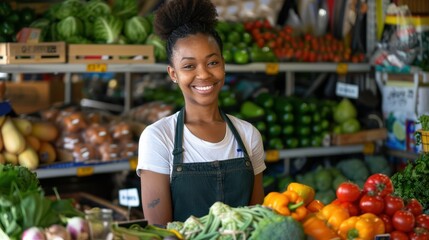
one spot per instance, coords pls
(419, 235)
(388, 227)
(403, 221)
(422, 221)
(398, 235)
(371, 204)
(352, 208)
(348, 192)
(413, 205)
(379, 184)
(392, 204)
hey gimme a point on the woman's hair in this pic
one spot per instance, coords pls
(177, 19)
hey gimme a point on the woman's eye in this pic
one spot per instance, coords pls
(213, 63)
(188, 66)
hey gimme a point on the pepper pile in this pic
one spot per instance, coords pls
(370, 211)
(356, 213)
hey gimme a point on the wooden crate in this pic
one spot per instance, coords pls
(359, 137)
(110, 53)
(22, 53)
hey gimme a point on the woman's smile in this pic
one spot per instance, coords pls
(204, 89)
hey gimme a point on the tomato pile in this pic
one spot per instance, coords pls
(403, 218)
(289, 45)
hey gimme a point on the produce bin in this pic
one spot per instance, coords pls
(84, 201)
(31, 53)
(110, 53)
(359, 137)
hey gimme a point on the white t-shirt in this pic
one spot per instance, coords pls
(157, 142)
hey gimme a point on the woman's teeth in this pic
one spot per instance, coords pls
(205, 88)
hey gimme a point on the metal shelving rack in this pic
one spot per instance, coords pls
(128, 69)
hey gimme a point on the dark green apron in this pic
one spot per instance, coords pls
(196, 186)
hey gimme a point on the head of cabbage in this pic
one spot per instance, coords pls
(344, 110)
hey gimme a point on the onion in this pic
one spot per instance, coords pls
(57, 232)
(33, 233)
(78, 228)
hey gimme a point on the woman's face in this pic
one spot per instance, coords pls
(198, 68)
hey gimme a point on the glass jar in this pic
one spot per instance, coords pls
(100, 222)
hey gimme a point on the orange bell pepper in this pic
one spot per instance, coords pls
(364, 227)
(306, 192)
(315, 206)
(288, 203)
(334, 215)
(317, 228)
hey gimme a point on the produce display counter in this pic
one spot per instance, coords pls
(85, 169)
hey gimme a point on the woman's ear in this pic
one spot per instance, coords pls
(172, 74)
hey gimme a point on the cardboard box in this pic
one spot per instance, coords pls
(110, 53)
(33, 96)
(359, 137)
(31, 53)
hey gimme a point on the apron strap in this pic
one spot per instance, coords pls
(235, 133)
(178, 138)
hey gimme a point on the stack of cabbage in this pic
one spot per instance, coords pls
(95, 21)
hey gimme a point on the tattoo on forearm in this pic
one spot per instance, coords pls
(154, 203)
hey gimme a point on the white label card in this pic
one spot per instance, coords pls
(347, 90)
(129, 197)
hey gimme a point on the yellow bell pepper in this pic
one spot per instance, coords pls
(334, 215)
(364, 227)
(306, 192)
(288, 203)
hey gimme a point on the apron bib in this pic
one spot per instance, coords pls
(196, 186)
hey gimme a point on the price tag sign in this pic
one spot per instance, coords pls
(369, 148)
(342, 68)
(84, 171)
(272, 68)
(129, 197)
(96, 67)
(272, 155)
(399, 97)
(347, 90)
(133, 163)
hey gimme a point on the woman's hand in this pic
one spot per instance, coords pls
(156, 197)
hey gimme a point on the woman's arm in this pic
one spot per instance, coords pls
(156, 197)
(258, 191)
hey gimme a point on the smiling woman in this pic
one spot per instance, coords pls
(182, 156)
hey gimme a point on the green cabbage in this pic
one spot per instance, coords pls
(137, 29)
(95, 8)
(159, 47)
(125, 8)
(68, 8)
(68, 27)
(107, 29)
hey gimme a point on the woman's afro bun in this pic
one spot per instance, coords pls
(177, 13)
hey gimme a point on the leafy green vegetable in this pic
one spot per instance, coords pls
(125, 8)
(412, 182)
(67, 8)
(69, 27)
(137, 29)
(107, 29)
(159, 45)
(23, 204)
(95, 8)
(24, 179)
(279, 228)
